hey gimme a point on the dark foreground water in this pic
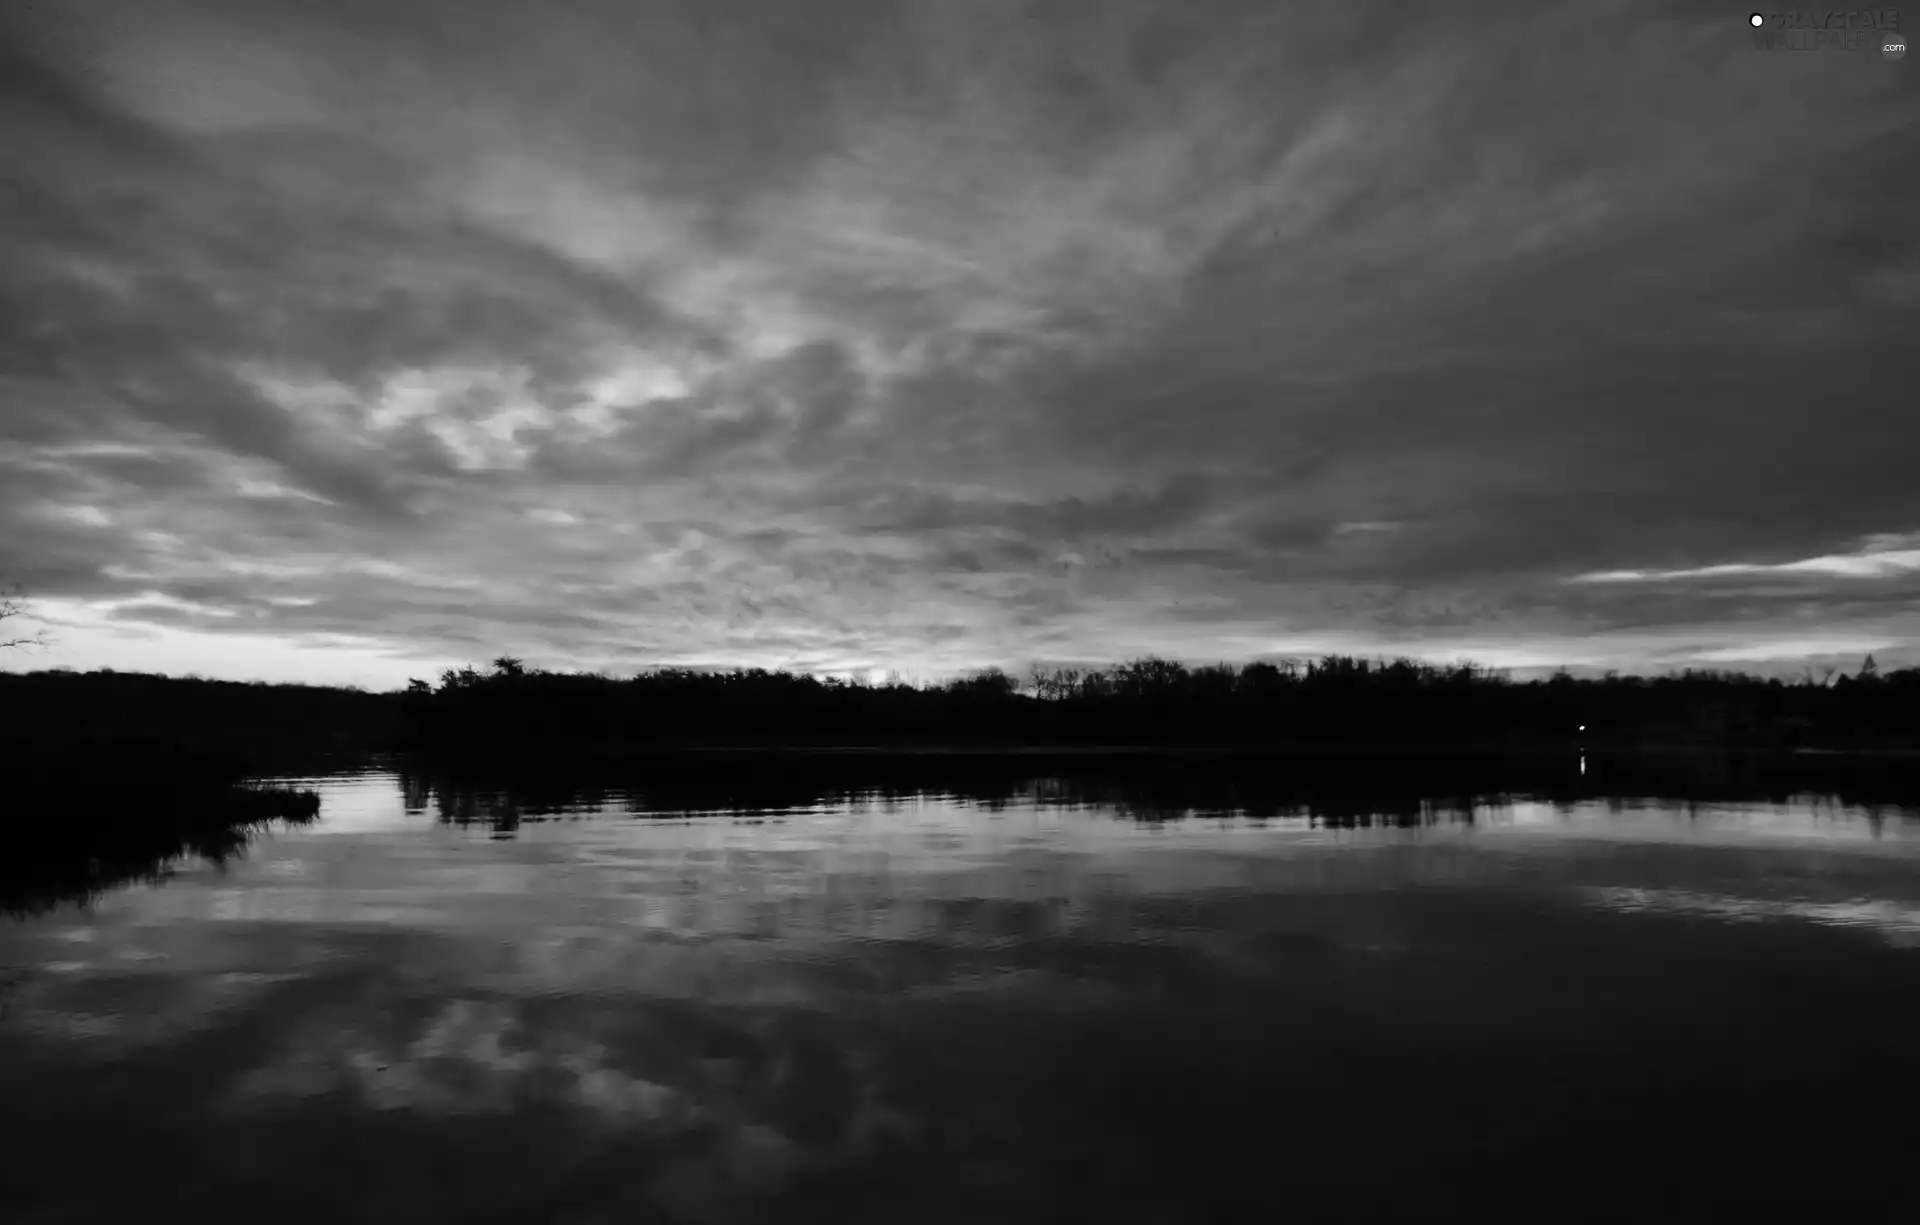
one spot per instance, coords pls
(446, 1005)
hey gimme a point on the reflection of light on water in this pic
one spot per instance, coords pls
(1647, 820)
(1897, 921)
(354, 802)
(704, 981)
(694, 905)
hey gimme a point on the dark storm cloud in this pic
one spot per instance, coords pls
(933, 335)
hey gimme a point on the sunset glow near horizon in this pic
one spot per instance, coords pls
(349, 342)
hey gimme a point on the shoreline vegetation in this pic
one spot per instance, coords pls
(1328, 705)
(1335, 705)
(124, 812)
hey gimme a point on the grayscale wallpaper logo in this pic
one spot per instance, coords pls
(1830, 30)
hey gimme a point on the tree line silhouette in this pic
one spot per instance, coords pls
(1338, 701)
(230, 725)
(1334, 701)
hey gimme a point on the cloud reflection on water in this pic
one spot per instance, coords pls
(719, 1007)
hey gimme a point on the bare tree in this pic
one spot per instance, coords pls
(11, 606)
(1054, 684)
(1815, 678)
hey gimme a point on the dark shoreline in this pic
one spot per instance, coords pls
(104, 840)
(84, 816)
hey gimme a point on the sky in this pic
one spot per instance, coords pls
(346, 342)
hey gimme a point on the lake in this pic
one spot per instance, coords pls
(442, 1002)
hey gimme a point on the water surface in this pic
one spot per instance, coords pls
(439, 1003)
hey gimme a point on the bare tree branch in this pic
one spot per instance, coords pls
(12, 606)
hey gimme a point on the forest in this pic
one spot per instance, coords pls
(1333, 701)
(1337, 701)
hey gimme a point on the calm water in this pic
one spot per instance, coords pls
(433, 1005)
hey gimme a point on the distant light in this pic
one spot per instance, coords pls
(1583, 727)
(1756, 21)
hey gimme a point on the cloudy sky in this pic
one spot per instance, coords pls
(346, 341)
